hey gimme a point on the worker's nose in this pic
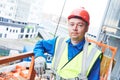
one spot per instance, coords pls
(75, 27)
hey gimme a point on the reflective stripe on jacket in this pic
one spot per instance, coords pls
(70, 69)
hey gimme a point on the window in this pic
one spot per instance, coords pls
(19, 22)
(4, 20)
(11, 8)
(31, 36)
(21, 36)
(0, 35)
(22, 30)
(10, 30)
(16, 31)
(32, 30)
(6, 29)
(1, 5)
(1, 18)
(119, 23)
(5, 35)
(26, 36)
(10, 14)
(28, 30)
(13, 31)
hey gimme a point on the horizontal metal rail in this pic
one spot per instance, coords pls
(7, 59)
(31, 73)
(115, 27)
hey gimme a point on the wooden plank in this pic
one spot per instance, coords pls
(105, 63)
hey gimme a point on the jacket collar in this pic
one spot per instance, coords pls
(79, 45)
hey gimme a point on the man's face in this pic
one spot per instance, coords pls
(77, 28)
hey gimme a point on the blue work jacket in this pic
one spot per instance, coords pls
(48, 46)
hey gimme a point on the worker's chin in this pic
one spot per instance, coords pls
(74, 37)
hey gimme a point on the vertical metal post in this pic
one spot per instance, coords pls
(103, 20)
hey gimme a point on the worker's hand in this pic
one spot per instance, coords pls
(40, 65)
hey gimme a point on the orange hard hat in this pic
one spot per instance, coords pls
(82, 13)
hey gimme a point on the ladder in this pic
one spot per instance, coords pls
(106, 74)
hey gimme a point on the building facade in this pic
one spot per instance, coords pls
(17, 31)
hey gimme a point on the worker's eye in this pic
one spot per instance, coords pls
(80, 25)
(71, 24)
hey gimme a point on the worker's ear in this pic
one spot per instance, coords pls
(86, 29)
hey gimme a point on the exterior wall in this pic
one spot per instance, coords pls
(36, 9)
(22, 10)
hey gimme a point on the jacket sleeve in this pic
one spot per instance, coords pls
(44, 46)
(95, 71)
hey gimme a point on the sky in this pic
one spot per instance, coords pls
(96, 9)
(55, 6)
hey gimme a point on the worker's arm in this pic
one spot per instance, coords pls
(95, 71)
(43, 46)
(40, 48)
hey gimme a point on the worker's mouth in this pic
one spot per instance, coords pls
(74, 33)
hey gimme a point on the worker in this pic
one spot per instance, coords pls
(68, 53)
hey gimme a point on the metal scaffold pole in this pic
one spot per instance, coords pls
(59, 18)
